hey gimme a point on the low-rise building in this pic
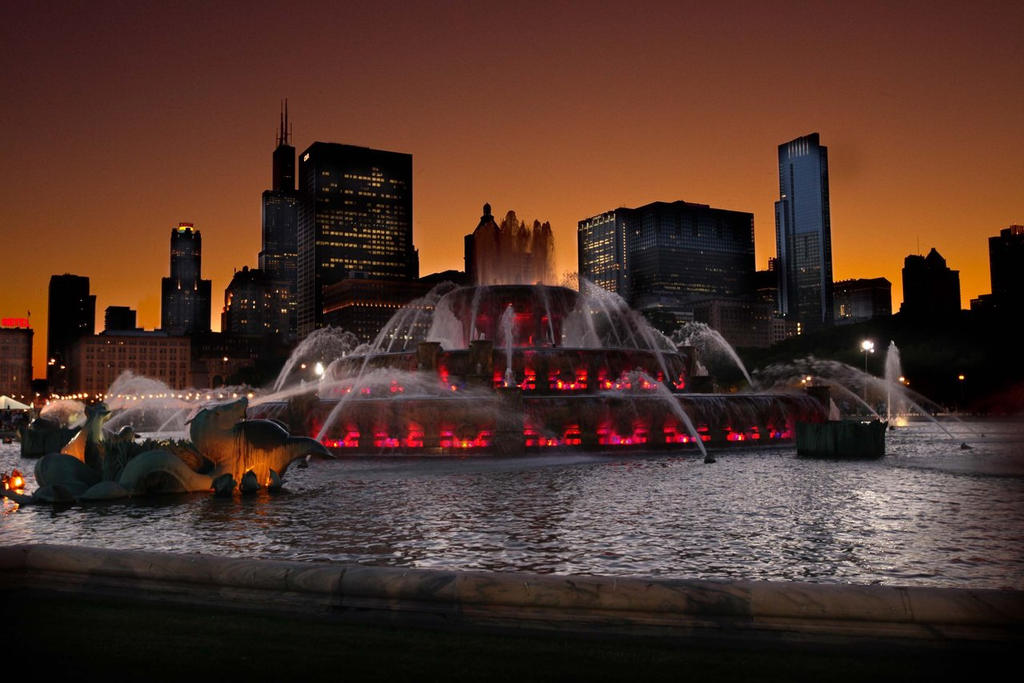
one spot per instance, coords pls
(100, 359)
(741, 321)
(16, 358)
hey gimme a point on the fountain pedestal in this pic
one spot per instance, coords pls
(508, 433)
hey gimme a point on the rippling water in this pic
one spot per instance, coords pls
(928, 513)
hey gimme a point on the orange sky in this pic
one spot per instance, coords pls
(121, 119)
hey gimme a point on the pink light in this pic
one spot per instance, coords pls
(382, 440)
(415, 438)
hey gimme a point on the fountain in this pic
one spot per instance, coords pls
(894, 405)
(509, 368)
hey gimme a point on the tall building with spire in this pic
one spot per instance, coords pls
(803, 233)
(185, 296)
(279, 252)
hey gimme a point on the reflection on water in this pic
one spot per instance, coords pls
(928, 514)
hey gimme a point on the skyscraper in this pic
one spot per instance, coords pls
(803, 233)
(185, 296)
(664, 256)
(930, 288)
(255, 306)
(601, 251)
(71, 315)
(355, 220)
(1006, 266)
(279, 253)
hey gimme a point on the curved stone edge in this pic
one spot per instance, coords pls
(530, 600)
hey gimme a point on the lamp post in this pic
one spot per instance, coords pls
(960, 380)
(867, 346)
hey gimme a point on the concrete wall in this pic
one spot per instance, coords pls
(463, 599)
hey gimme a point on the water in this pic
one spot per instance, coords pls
(927, 514)
(710, 343)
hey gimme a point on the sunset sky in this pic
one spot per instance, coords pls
(121, 119)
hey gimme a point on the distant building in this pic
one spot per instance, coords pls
(930, 287)
(766, 285)
(119, 319)
(363, 306)
(602, 251)
(743, 321)
(803, 233)
(355, 221)
(16, 359)
(664, 256)
(279, 253)
(1006, 266)
(219, 357)
(71, 315)
(98, 360)
(862, 299)
(256, 306)
(185, 296)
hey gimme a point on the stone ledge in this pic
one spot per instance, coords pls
(752, 609)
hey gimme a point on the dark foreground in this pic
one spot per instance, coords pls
(59, 635)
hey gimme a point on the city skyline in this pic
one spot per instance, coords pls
(123, 133)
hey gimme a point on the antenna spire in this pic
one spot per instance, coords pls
(283, 130)
(287, 129)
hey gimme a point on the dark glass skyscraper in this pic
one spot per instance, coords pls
(71, 315)
(355, 220)
(279, 253)
(803, 233)
(668, 254)
(185, 296)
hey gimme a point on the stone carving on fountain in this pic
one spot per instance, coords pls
(507, 368)
(226, 452)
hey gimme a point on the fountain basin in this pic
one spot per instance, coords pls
(508, 421)
(512, 368)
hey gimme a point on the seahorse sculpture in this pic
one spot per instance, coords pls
(237, 446)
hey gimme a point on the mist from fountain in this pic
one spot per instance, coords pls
(512, 253)
(849, 378)
(603, 319)
(711, 344)
(636, 379)
(66, 412)
(894, 409)
(324, 344)
(150, 405)
(507, 327)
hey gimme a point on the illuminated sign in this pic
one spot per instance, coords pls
(14, 322)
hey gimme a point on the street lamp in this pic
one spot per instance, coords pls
(867, 346)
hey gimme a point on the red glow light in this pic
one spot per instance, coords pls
(415, 438)
(382, 440)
